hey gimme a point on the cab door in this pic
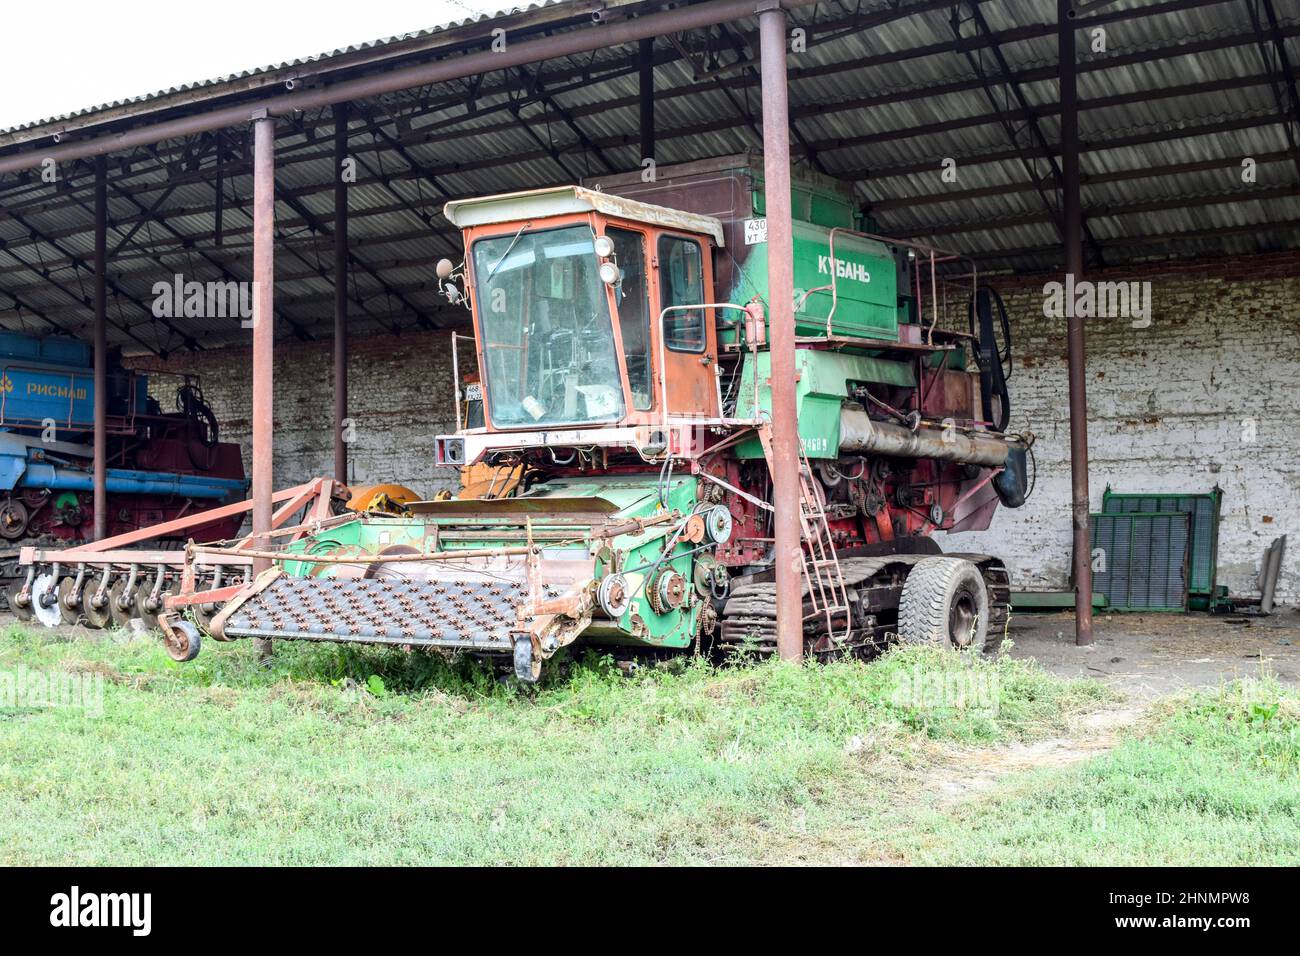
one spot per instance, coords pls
(687, 337)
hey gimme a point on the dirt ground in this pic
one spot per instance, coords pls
(1149, 655)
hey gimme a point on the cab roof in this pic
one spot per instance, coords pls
(560, 200)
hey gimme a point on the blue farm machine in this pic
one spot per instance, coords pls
(618, 428)
(162, 465)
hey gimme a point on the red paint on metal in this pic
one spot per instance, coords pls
(100, 475)
(1076, 346)
(263, 334)
(340, 293)
(780, 304)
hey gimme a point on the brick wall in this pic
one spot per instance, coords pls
(399, 395)
(1169, 410)
(1208, 394)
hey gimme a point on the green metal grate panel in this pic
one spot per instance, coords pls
(1143, 561)
(1203, 534)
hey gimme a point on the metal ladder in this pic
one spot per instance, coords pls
(822, 576)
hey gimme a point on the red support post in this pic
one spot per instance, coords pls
(788, 547)
(100, 477)
(263, 335)
(340, 294)
(1076, 356)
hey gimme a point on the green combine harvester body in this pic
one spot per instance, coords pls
(614, 437)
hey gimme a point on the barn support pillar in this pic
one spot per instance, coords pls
(263, 336)
(340, 294)
(100, 441)
(1072, 215)
(788, 548)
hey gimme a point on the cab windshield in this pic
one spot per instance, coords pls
(548, 343)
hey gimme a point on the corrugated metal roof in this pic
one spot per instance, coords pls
(1168, 112)
(278, 68)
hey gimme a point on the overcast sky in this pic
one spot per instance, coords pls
(56, 57)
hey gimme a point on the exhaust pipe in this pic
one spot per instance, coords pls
(859, 434)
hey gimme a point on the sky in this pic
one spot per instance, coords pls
(65, 56)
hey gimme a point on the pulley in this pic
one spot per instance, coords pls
(612, 595)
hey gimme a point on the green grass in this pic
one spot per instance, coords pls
(340, 755)
(1212, 780)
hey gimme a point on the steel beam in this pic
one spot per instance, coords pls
(340, 294)
(391, 81)
(1072, 216)
(100, 476)
(788, 546)
(646, 95)
(263, 336)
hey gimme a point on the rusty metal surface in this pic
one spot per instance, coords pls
(780, 240)
(1076, 350)
(564, 509)
(465, 614)
(100, 478)
(340, 293)
(263, 330)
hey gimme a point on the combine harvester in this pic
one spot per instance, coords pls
(623, 419)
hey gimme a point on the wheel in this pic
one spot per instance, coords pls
(97, 617)
(70, 614)
(45, 600)
(11, 593)
(184, 641)
(945, 604)
(121, 617)
(527, 668)
(13, 519)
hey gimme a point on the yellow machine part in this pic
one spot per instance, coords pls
(482, 480)
(370, 497)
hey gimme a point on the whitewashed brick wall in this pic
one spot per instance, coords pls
(399, 395)
(1170, 409)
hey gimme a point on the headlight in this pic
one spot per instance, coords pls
(453, 451)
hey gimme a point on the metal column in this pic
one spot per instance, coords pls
(1076, 354)
(263, 335)
(101, 350)
(780, 304)
(340, 292)
(646, 91)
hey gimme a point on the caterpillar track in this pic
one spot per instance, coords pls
(875, 587)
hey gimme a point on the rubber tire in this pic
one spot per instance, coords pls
(193, 642)
(527, 667)
(930, 591)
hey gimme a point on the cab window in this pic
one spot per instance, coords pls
(632, 299)
(681, 282)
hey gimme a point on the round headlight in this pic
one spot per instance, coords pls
(604, 246)
(608, 273)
